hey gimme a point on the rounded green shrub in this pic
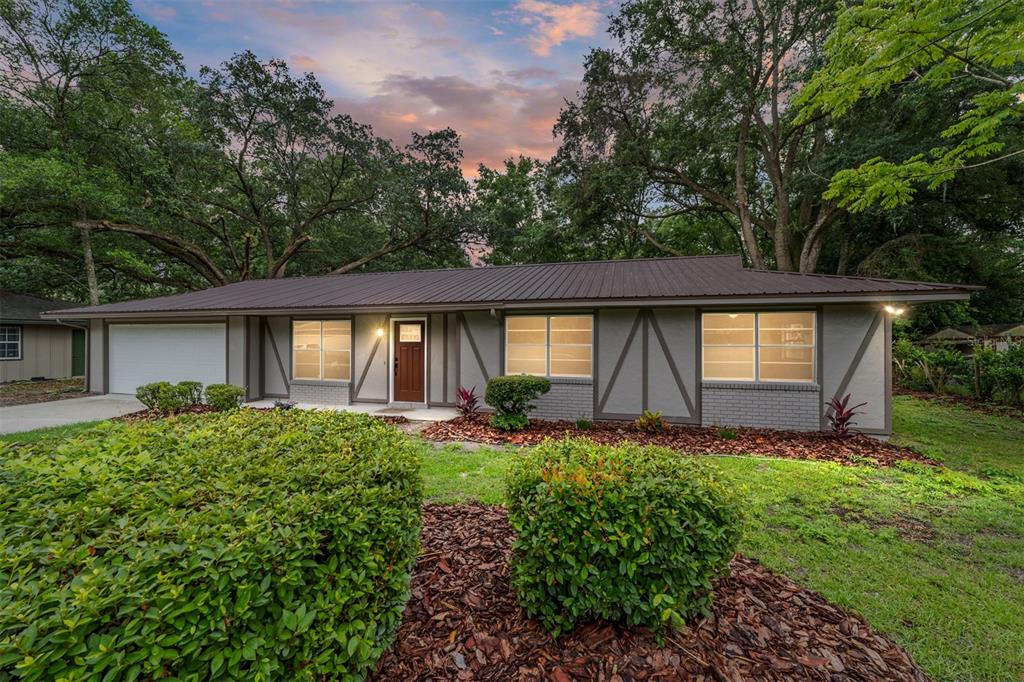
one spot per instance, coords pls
(160, 395)
(255, 545)
(190, 392)
(224, 396)
(623, 533)
(510, 396)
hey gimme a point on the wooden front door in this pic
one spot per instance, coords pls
(409, 339)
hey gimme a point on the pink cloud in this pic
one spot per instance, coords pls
(159, 12)
(554, 23)
(302, 62)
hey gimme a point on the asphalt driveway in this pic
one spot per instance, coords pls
(61, 412)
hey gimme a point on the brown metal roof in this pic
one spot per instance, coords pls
(652, 279)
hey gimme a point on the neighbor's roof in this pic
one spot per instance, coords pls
(993, 330)
(26, 308)
(592, 282)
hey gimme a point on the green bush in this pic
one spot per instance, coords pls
(190, 392)
(624, 533)
(160, 395)
(510, 396)
(240, 545)
(649, 422)
(224, 396)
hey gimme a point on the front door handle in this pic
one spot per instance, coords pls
(396, 366)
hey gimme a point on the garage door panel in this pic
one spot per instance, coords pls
(144, 353)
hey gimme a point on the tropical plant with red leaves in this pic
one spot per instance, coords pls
(467, 402)
(841, 417)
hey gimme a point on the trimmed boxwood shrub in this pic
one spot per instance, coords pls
(239, 545)
(623, 533)
(510, 396)
(224, 396)
(159, 395)
(190, 392)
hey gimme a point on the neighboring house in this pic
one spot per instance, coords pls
(997, 336)
(32, 347)
(703, 339)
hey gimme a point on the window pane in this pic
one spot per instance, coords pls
(337, 365)
(728, 329)
(306, 336)
(789, 328)
(522, 329)
(409, 333)
(526, 359)
(307, 364)
(786, 364)
(572, 329)
(729, 364)
(570, 361)
(338, 335)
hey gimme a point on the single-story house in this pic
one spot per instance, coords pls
(32, 347)
(966, 337)
(702, 339)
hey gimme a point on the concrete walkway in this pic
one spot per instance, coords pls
(62, 412)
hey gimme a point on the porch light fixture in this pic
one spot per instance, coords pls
(380, 331)
(895, 310)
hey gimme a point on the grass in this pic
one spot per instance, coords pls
(934, 558)
(64, 431)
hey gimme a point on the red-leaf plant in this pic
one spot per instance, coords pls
(466, 401)
(842, 415)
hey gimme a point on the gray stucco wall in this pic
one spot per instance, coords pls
(96, 378)
(236, 350)
(855, 358)
(45, 352)
(770, 406)
(479, 330)
(277, 356)
(442, 380)
(647, 359)
(370, 358)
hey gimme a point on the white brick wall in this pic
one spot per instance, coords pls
(569, 399)
(770, 406)
(320, 393)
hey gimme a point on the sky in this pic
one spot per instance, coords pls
(496, 71)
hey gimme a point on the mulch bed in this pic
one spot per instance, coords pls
(462, 623)
(854, 449)
(145, 415)
(31, 392)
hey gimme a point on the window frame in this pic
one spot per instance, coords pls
(20, 341)
(757, 347)
(547, 345)
(351, 341)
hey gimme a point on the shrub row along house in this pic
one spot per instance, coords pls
(702, 339)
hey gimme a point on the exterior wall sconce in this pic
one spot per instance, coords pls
(380, 331)
(895, 310)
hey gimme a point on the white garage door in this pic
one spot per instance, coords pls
(143, 353)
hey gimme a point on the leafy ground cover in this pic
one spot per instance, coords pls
(931, 556)
(28, 392)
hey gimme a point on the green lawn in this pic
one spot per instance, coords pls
(934, 558)
(48, 432)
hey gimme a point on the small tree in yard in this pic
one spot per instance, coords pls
(511, 397)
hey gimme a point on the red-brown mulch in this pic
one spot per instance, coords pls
(143, 415)
(696, 440)
(463, 623)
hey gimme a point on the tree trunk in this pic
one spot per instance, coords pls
(90, 265)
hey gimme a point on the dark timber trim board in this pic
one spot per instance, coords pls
(819, 352)
(227, 350)
(595, 362)
(698, 355)
(645, 388)
(444, 356)
(277, 355)
(887, 341)
(106, 356)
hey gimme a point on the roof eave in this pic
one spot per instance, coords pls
(693, 301)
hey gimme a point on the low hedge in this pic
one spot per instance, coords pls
(240, 545)
(510, 396)
(622, 533)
